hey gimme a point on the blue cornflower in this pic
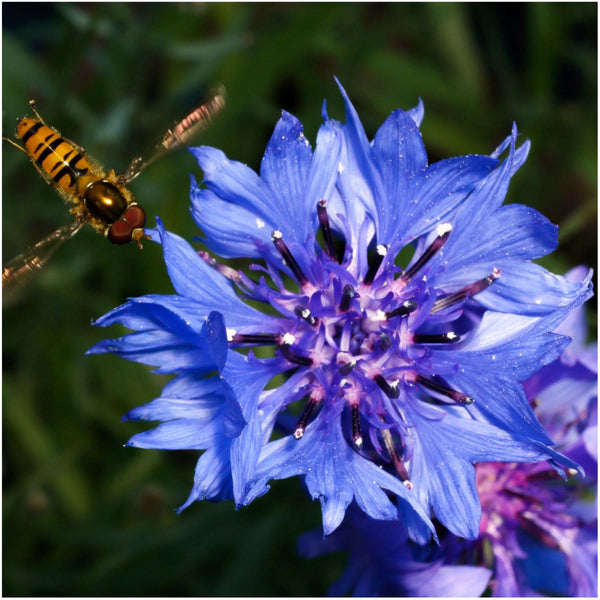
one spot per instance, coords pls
(400, 377)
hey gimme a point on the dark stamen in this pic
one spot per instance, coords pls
(396, 459)
(294, 357)
(324, 223)
(277, 238)
(348, 294)
(404, 309)
(380, 253)
(437, 244)
(346, 368)
(263, 339)
(385, 342)
(305, 314)
(443, 390)
(356, 434)
(440, 338)
(390, 390)
(466, 292)
(304, 417)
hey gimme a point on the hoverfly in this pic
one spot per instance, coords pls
(97, 197)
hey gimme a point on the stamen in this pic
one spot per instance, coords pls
(348, 294)
(390, 390)
(443, 232)
(385, 342)
(356, 434)
(404, 309)
(396, 459)
(263, 339)
(304, 417)
(226, 271)
(346, 368)
(466, 292)
(381, 251)
(305, 314)
(440, 338)
(293, 357)
(324, 223)
(277, 239)
(443, 390)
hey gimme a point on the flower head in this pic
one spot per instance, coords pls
(397, 373)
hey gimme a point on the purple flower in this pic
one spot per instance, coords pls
(399, 372)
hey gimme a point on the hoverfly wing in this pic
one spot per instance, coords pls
(24, 266)
(183, 131)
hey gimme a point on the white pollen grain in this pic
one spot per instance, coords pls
(443, 228)
(230, 333)
(260, 223)
(288, 338)
(340, 167)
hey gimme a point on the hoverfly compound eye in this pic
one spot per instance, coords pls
(135, 216)
(128, 227)
(120, 232)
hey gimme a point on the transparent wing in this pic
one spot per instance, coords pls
(22, 268)
(195, 122)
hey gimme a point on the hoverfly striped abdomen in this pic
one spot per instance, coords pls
(56, 157)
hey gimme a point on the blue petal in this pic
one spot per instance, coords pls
(190, 275)
(442, 471)
(231, 230)
(360, 156)
(284, 170)
(513, 232)
(160, 349)
(417, 113)
(170, 343)
(232, 181)
(181, 434)
(335, 474)
(440, 189)
(169, 409)
(400, 157)
(323, 169)
(246, 379)
(238, 315)
(212, 476)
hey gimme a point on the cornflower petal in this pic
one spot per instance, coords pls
(335, 474)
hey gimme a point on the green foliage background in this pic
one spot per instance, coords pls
(83, 515)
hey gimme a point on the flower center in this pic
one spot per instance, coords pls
(362, 345)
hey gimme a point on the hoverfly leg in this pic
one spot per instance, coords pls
(15, 145)
(136, 166)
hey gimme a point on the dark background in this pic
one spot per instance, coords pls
(85, 516)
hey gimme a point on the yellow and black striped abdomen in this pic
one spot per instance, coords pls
(58, 159)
